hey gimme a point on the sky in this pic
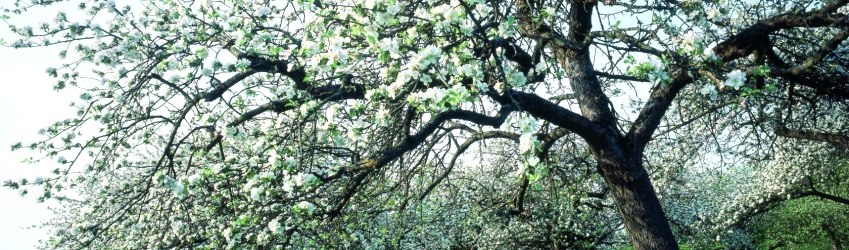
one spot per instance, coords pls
(27, 104)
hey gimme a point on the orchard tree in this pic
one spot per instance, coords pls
(420, 124)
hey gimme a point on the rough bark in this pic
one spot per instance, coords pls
(619, 162)
(637, 202)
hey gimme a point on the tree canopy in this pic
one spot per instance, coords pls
(565, 124)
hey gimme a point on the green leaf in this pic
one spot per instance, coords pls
(762, 70)
(17, 146)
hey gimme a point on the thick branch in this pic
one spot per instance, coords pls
(620, 77)
(655, 108)
(739, 45)
(338, 92)
(258, 64)
(557, 115)
(835, 139)
(172, 85)
(541, 32)
(747, 40)
(219, 90)
(594, 103)
(812, 60)
(833, 198)
(364, 167)
(571, 53)
(326, 93)
(413, 141)
(276, 105)
(833, 85)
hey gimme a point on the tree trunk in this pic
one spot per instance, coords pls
(619, 160)
(642, 214)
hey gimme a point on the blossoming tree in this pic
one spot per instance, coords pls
(386, 123)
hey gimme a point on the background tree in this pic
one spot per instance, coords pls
(414, 124)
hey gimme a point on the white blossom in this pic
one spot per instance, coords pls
(526, 142)
(533, 161)
(715, 14)
(735, 79)
(516, 78)
(393, 9)
(264, 11)
(306, 206)
(274, 226)
(426, 57)
(709, 90)
(257, 193)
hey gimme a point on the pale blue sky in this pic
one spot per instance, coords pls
(27, 103)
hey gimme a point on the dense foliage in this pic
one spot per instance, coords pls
(442, 124)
